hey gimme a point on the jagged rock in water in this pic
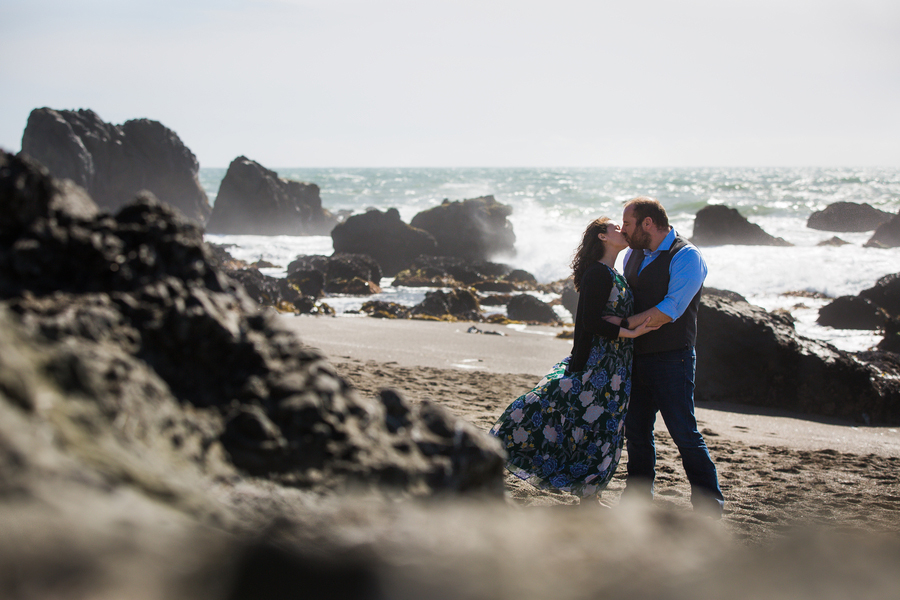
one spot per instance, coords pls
(340, 273)
(384, 237)
(253, 200)
(474, 229)
(115, 162)
(525, 307)
(719, 225)
(885, 294)
(887, 235)
(848, 216)
(851, 312)
(458, 304)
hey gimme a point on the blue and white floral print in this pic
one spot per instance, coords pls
(566, 433)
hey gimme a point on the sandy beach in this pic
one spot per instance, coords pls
(777, 469)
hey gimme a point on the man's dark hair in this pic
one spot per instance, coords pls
(644, 206)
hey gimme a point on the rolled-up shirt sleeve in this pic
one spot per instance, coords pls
(687, 272)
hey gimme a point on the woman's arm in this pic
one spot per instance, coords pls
(596, 286)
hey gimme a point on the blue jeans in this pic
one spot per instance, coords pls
(664, 382)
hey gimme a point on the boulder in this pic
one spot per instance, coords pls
(848, 216)
(885, 294)
(385, 310)
(851, 312)
(114, 162)
(833, 241)
(475, 229)
(719, 225)
(276, 292)
(887, 235)
(456, 304)
(525, 307)
(448, 271)
(384, 237)
(341, 273)
(891, 340)
(253, 200)
(156, 352)
(749, 356)
(569, 298)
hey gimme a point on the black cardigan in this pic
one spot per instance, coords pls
(596, 285)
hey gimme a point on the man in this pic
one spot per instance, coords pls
(665, 273)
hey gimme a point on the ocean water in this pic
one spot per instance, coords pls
(551, 208)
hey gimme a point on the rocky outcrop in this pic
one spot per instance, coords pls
(451, 305)
(341, 273)
(253, 200)
(887, 235)
(749, 356)
(848, 216)
(885, 294)
(114, 162)
(851, 312)
(152, 346)
(718, 225)
(384, 237)
(525, 307)
(872, 308)
(447, 271)
(474, 229)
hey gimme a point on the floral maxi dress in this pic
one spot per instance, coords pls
(567, 432)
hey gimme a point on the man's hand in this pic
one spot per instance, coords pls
(657, 318)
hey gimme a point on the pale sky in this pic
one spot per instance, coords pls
(356, 83)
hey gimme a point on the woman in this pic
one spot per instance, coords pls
(567, 432)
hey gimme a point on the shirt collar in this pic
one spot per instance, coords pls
(664, 245)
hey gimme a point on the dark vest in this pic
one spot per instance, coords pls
(649, 289)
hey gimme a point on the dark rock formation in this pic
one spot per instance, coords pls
(114, 162)
(891, 340)
(887, 235)
(475, 229)
(833, 241)
(525, 307)
(310, 282)
(385, 310)
(885, 294)
(749, 356)
(457, 304)
(384, 237)
(447, 271)
(276, 292)
(254, 200)
(153, 346)
(847, 216)
(718, 225)
(340, 273)
(851, 312)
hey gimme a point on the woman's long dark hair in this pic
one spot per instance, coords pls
(590, 250)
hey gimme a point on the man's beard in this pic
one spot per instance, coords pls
(639, 240)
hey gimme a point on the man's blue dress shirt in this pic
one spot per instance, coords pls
(687, 271)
